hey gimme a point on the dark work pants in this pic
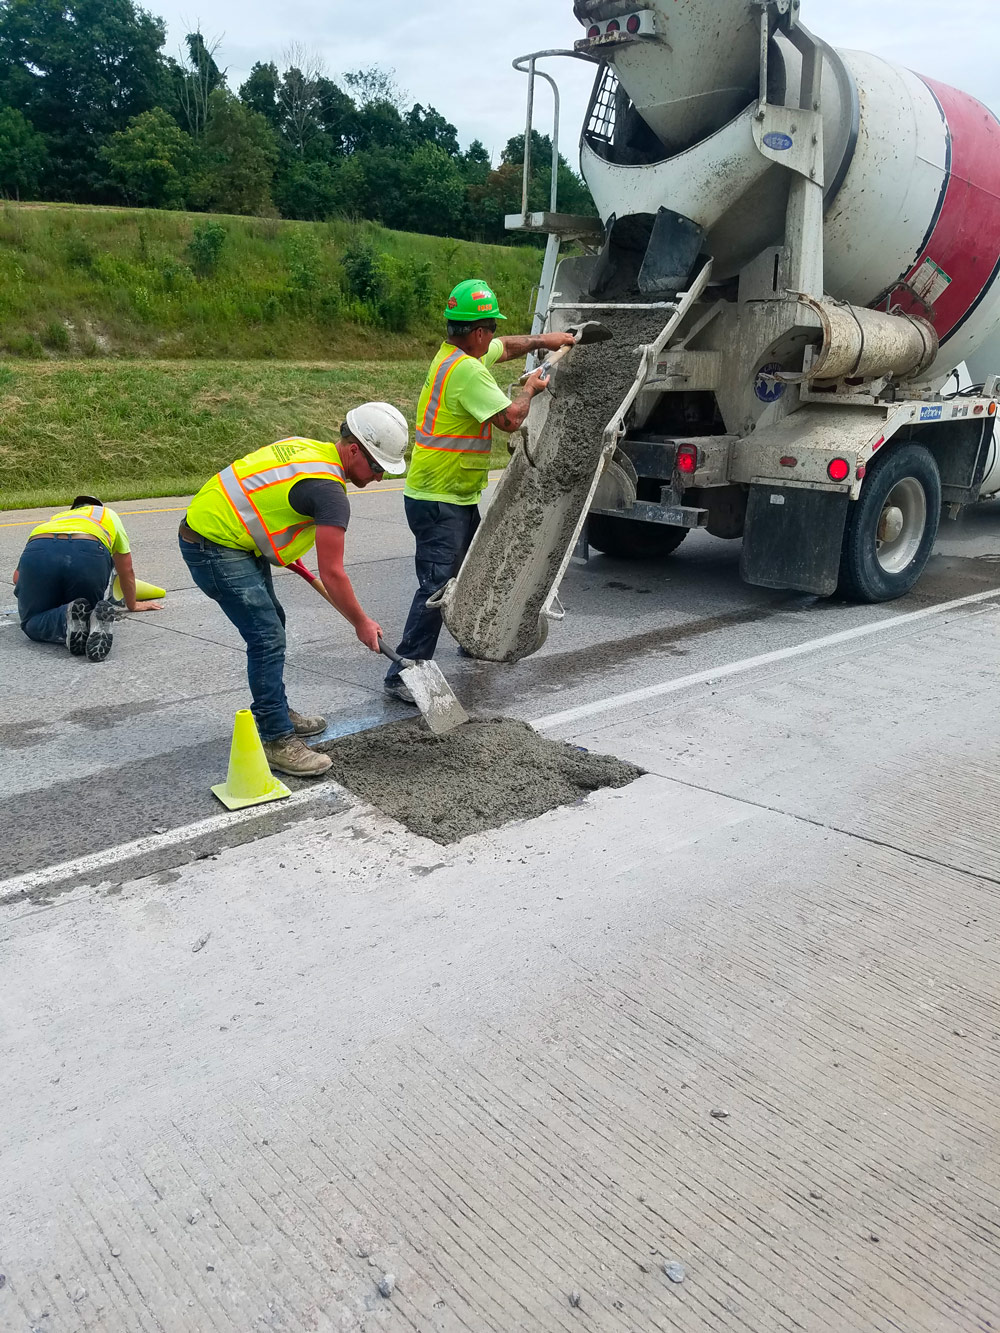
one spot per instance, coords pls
(241, 583)
(443, 534)
(52, 573)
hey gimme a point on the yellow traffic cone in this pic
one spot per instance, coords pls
(144, 592)
(250, 780)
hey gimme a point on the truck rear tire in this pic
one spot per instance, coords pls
(892, 526)
(632, 539)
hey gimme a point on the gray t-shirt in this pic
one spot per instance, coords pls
(325, 502)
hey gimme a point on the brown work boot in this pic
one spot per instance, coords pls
(288, 755)
(306, 726)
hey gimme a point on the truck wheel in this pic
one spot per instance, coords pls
(892, 526)
(632, 539)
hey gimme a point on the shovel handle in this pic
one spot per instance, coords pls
(548, 363)
(384, 648)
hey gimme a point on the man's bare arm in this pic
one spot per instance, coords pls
(521, 345)
(513, 418)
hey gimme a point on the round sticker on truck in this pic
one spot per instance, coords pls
(779, 142)
(767, 386)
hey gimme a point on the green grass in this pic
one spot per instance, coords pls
(98, 282)
(134, 430)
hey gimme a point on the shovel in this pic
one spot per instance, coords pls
(591, 332)
(431, 692)
(425, 680)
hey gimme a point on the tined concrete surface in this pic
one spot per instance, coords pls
(493, 607)
(738, 1019)
(479, 776)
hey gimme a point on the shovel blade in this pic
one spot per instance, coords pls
(434, 697)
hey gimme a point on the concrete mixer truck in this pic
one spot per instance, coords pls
(795, 248)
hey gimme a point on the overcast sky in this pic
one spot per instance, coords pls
(456, 54)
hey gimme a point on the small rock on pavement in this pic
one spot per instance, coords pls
(386, 1284)
(719, 1114)
(78, 1294)
(675, 1272)
(200, 943)
(575, 1298)
(193, 1216)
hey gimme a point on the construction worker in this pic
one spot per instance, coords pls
(460, 404)
(63, 579)
(269, 509)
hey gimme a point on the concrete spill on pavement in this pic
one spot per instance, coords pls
(480, 776)
(493, 609)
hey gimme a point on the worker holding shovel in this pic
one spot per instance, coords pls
(460, 404)
(269, 509)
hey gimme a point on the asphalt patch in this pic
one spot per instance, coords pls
(480, 776)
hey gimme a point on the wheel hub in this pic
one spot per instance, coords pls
(890, 524)
(902, 524)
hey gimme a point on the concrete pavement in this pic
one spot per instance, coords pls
(740, 1016)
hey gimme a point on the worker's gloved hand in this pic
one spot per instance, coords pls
(537, 381)
(369, 632)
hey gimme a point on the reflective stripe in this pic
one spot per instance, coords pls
(258, 480)
(246, 513)
(437, 391)
(456, 444)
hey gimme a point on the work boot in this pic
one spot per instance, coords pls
(101, 635)
(77, 626)
(306, 726)
(289, 755)
(395, 689)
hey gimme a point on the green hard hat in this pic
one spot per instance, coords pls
(473, 300)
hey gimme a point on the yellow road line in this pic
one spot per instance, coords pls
(180, 509)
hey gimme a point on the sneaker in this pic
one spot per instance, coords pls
(395, 689)
(289, 755)
(101, 634)
(306, 726)
(77, 626)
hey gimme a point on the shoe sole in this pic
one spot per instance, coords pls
(400, 698)
(78, 626)
(101, 636)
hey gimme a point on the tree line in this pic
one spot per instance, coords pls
(93, 111)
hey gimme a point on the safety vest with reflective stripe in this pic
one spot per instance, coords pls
(429, 410)
(247, 506)
(90, 520)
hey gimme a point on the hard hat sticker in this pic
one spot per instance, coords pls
(780, 142)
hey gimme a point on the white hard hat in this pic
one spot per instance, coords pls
(382, 429)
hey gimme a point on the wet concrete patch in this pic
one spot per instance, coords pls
(25, 735)
(480, 776)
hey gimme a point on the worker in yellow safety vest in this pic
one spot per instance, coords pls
(268, 509)
(460, 404)
(63, 579)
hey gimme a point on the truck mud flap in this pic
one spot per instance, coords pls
(793, 538)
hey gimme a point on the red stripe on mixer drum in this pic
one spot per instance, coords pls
(961, 258)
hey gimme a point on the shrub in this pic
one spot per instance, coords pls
(56, 336)
(388, 292)
(205, 247)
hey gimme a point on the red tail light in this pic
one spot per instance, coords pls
(839, 469)
(594, 31)
(687, 459)
(634, 23)
(613, 26)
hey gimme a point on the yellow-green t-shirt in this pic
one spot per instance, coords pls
(471, 396)
(110, 529)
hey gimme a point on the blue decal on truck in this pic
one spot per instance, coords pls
(931, 413)
(780, 142)
(766, 386)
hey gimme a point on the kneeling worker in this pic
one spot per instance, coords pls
(64, 575)
(268, 509)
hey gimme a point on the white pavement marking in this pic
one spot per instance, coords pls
(571, 715)
(45, 878)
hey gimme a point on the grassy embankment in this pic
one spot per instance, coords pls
(123, 372)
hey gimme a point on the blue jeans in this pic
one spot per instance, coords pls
(241, 583)
(443, 533)
(52, 573)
